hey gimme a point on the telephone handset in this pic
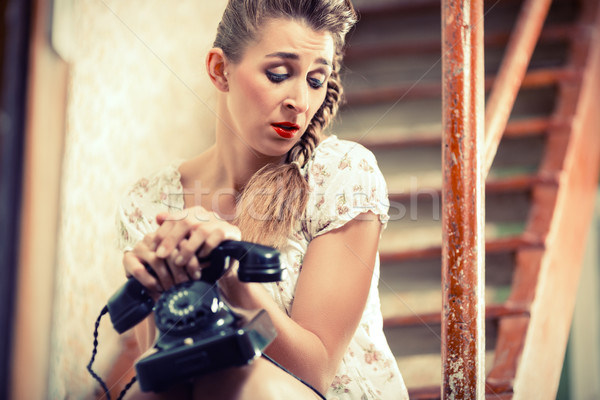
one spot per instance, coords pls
(198, 330)
(132, 303)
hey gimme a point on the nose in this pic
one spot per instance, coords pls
(297, 99)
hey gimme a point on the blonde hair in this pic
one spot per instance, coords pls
(276, 195)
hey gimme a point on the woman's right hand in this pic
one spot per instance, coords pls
(171, 250)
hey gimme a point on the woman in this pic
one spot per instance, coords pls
(274, 178)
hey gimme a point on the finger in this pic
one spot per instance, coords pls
(194, 269)
(170, 234)
(156, 264)
(162, 271)
(189, 247)
(176, 216)
(150, 241)
(160, 234)
(177, 271)
(134, 267)
(213, 239)
(162, 217)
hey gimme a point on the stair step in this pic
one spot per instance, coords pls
(382, 8)
(413, 13)
(362, 51)
(523, 182)
(411, 117)
(397, 139)
(418, 352)
(434, 393)
(420, 88)
(420, 306)
(374, 8)
(416, 213)
(422, 374)
(426, 392)
(418, 169)
(418, 355)
(501, 245)
(492, 312)
(425, 338)
(419, 71)
(414, 238)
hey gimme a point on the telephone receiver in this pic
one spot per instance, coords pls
(198, 332)
(132, 303)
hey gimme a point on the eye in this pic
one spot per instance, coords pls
(315, 83)
(276, 78)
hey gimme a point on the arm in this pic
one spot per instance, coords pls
(330, 297)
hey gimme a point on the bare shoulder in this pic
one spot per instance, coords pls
(195, 168)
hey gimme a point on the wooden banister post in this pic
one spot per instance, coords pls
(463, 329)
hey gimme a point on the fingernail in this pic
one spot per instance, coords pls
(161, 252)
(179, 260)
(197, 275)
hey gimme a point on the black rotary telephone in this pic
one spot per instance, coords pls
(198, 331)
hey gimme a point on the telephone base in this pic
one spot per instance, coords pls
(230, 346)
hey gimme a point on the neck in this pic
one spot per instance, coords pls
(235, 160)
(216, 177)
(238, 161)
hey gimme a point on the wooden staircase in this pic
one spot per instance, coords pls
(539, 192)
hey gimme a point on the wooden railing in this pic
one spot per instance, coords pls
(512, 71)
(529, 355)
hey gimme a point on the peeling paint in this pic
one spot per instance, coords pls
(462, 219)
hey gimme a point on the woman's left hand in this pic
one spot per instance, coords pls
(189, 233)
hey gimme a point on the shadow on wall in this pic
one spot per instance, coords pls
(138, 98)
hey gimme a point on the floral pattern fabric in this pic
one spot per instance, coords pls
(344, 182)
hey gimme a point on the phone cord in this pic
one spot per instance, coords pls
(94, 352)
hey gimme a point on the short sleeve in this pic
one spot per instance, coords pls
(345, 181)
(136, 213)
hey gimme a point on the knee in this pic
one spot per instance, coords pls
(264, 384)
(259, 380)
(268, 381)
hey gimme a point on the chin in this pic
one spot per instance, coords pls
(277, 148)
(271, 152)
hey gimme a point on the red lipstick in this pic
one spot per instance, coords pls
(286, 130)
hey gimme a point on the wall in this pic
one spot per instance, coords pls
(138, 98)
(584, 342)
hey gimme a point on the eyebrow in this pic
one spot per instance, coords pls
(294, 56)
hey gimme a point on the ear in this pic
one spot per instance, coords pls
(215, 66)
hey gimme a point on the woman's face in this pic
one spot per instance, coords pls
(278, 86)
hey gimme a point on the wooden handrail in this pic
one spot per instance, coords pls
(541, 276)
(462, 327)
(512, 71)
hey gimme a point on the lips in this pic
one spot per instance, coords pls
(286, 130)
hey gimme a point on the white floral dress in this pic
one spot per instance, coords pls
(345, 181)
